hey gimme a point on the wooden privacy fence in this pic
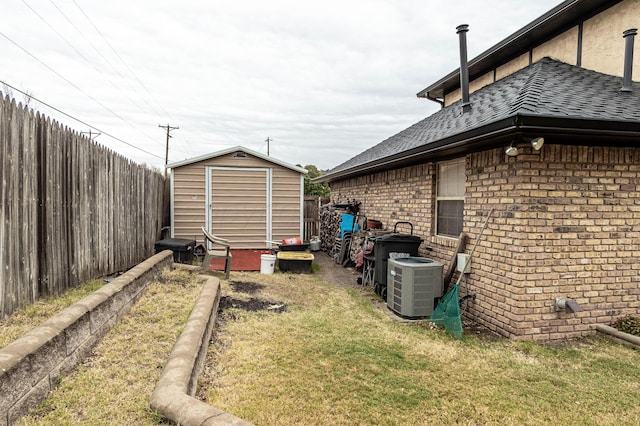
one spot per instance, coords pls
(72, 210)
(311, 215)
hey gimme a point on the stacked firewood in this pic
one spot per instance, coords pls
(361, 239)
(357, 241)
(330, 218)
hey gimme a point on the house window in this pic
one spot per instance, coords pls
(450, 198)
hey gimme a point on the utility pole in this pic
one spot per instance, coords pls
(267, 141)
(92, 136)
(166, 157)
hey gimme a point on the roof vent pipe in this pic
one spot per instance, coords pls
(461, 30)
(628, 36)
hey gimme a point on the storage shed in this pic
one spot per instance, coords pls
(238, 194)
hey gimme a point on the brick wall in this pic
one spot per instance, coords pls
(565, 223)
(393, 196)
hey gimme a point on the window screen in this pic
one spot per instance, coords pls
(450, 198)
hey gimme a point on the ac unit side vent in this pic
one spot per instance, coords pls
(413, 285)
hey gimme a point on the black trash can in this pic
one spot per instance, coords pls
(182, 248)
(391, 243)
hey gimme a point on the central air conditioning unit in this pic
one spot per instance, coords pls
(413, 284)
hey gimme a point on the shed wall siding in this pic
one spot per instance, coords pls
(189, 195)
(189, 202)
(287, 199)
(566, 223)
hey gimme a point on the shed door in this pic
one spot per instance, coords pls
(239, 201)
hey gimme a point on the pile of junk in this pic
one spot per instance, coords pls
(291, 255)
(351, 239)
(412, 286)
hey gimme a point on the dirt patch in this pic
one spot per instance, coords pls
(251, 305)
(246, 287)
(333, 273)
(483, 333)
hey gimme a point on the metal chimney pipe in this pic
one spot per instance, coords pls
(629, 37)
(461, 30)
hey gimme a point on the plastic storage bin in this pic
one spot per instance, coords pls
(182, 248)
(296, 262)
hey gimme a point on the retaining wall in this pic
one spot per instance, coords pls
(31, 366)
(173, 394)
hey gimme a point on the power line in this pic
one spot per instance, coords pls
(62, 77)
(126, 95)
(80, 121)
(111, 65)
(74, 86)
(81, 55)
(51, 69)
(126, 65)
(61, 36)
(119, 57)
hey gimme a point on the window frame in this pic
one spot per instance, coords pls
(457, 197)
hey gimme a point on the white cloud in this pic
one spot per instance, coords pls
(325, 80)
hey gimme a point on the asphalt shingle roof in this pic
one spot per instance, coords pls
(547, 88)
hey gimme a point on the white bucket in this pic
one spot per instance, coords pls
(267, 263)
(315, 243)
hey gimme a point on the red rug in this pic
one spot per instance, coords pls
(243, 260)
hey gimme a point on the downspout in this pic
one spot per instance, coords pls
(462, 30)
(431, 98)
(629, 36)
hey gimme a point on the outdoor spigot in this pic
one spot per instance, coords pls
(567, 305)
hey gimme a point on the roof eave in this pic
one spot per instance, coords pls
(232, 150)
(566, 131)
(483, 137)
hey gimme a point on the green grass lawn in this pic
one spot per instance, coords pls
(332, 357)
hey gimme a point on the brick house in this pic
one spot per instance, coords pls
(566, 216)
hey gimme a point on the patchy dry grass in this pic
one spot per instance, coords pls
(113, 385)
(332, 359)
(310, 353)
(29, 317)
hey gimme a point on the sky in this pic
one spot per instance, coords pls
(322, 80)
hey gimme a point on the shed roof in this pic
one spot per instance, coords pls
(562, 102)
(232, 150)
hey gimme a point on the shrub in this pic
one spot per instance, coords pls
(628, 324)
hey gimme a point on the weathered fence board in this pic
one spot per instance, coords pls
(311, 210)
(71, 209)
